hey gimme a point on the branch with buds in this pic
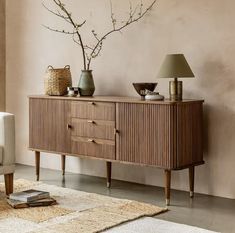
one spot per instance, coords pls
(90, 52)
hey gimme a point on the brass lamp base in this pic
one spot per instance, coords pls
(176, 90)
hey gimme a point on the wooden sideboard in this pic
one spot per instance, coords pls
(161, 134)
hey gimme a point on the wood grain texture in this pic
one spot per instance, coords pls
(189, 134)
(63, 159)
(93, 128)
(164, 136)
(37, 164)
(93, 110)
(93, 147)
(191, 180)
(146, 134)
(109, 173)
(167, 186)
(167, 135)
(48, 119)
(9, 179)
(115, 99)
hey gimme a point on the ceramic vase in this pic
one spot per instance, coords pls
(86, 84)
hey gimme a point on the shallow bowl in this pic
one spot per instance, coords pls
(142, 87)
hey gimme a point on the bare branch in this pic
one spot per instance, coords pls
(59, 31)
(77, 42)
(56, 14)
(76, 27)
(134, 15)
(98, 50)
(95, 35)
(69, 15)
(130, 13)
(131, 20)
(114, 21)
(141, 7)
(134, 12)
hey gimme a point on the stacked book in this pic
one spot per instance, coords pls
(30, 198)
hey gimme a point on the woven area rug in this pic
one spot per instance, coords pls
(76, 212)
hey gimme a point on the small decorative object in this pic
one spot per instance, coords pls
(72, 91)
(56, 81)
(175, 66)
(91, 51)
(142, 87)
(86, 84)
(153, 96)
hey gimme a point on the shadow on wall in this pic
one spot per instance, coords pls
(218, 79)
(217, 85)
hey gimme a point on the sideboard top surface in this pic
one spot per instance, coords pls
(115, 99)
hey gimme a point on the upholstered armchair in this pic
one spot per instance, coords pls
(7, 149)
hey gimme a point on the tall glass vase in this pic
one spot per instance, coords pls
(86, 84)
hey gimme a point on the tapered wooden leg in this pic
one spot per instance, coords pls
(191, 181)
(9, 183)
(167, 186)
(63, 164)
(37, 164)
(109, 171)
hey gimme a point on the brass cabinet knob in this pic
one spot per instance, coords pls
(92, 103)
(91, 140)
(69, 126)
(116, 131)
(90, 121)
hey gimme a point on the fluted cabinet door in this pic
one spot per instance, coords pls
(48, 121)
(189, 134)
(147, 134)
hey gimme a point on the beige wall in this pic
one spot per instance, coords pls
(202, 30)
(2, 55)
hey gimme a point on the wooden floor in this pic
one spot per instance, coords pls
(213, 213)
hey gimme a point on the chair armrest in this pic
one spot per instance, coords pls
(7, 137)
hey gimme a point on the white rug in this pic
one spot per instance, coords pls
(153, 225)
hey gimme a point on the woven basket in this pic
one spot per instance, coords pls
(56, 81)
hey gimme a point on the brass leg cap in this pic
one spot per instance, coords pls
(167, 202)
(191, 193)
(108, 184)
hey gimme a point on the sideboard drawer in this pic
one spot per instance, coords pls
(93, 110)
(93, 147)
(93, 128)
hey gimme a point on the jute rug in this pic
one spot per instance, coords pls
(76, 212)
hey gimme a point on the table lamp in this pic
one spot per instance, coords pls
(175, 66)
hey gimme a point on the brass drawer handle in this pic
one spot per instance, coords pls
(69, 126)
(116, 131)
(92, 103)
(91, 140)
(90, 121)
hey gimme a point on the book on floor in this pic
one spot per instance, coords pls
(42, 202)
(30, 195)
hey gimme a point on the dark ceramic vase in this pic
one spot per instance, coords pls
(86, 84)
